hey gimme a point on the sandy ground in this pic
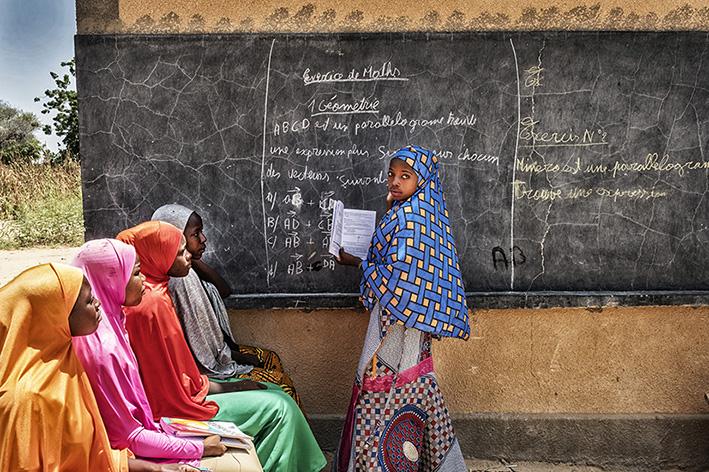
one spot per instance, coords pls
(480, 465)
(14, 262)
(476, 465)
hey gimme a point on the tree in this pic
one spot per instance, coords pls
(17, 141)
(63, 103)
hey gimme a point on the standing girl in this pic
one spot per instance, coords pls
(412, 286)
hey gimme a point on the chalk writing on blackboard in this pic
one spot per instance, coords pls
(584, 151)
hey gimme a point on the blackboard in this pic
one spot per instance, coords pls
(573, 162)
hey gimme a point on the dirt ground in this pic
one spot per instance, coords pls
(15, 261)
(476, 465)
(481, 465)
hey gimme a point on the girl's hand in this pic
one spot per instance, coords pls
(348, 259)
(178, 468)
(139, 465)
(248, 359)
(390, 201)
(245, 385)
(240, 386)
(213, 446)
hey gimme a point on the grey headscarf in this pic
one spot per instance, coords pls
(201, 310)
(175, 214)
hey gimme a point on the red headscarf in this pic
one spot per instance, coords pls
(172, 381)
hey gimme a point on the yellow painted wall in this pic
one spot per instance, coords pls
(618, 360)
(154, 16)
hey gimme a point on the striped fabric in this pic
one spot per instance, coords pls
(412, 268)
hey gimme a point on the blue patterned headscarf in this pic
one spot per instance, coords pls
(412, 266)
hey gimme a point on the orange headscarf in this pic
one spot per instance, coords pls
(172, 381)
(49, 419)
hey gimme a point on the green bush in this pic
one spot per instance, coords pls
(40, 205)
(17, 141)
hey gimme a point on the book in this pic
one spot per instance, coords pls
(243, 444)
(186, 428)
(351, 230)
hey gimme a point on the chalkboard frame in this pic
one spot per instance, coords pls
(485, 300)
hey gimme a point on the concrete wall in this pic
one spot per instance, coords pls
(605, 386)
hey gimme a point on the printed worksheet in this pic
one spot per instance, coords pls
(351, 229)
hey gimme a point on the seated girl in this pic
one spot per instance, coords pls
(199, 304)
(113, 271)
(173, 384)
(49, 417)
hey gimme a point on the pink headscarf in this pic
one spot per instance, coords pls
(106, 354)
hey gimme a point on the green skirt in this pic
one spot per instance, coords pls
(283, 439)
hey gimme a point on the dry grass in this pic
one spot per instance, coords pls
(40, 205)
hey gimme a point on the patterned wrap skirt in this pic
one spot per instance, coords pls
(269, 369)
(397, 420)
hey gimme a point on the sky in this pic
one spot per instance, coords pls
(35, 37)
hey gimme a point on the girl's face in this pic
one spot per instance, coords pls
(194, 233)
(135, 288)
(402, 180)
(183, 261)
(85, 315)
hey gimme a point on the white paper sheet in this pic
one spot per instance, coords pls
(351, 229)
